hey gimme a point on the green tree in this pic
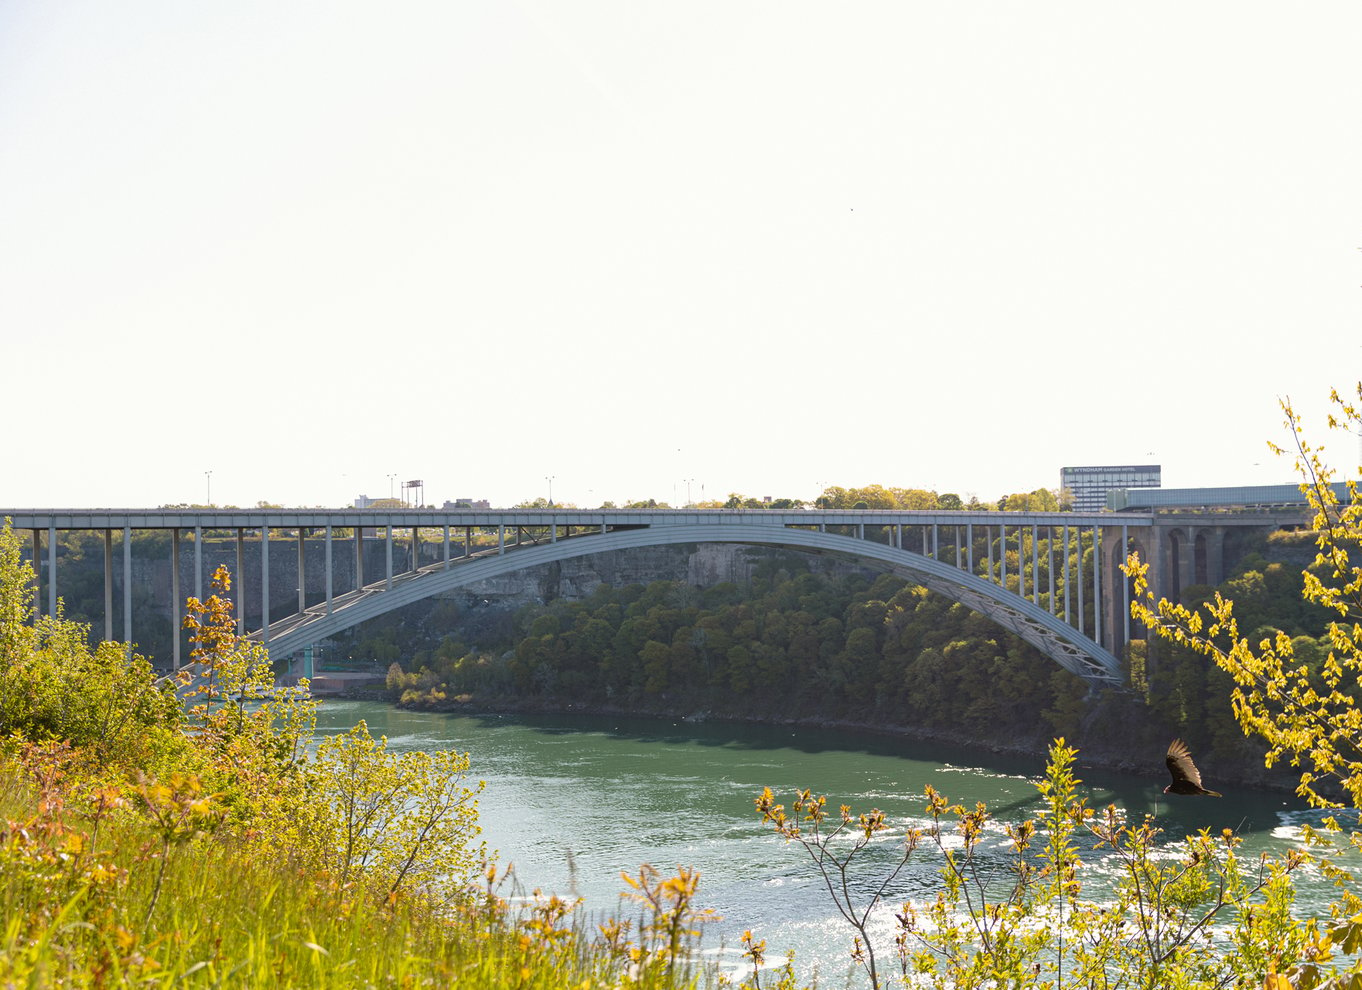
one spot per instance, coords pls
(55, 686)
(1039, 500)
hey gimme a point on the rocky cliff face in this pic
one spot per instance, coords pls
(702, 565)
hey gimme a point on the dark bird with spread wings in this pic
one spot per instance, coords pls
(1186, 777)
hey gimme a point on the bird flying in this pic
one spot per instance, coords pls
(1186, 777)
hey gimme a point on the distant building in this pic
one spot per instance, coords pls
(468, 503)
(1086, 487)
(362, 501)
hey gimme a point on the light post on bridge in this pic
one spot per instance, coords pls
(209, 476)
(549, 478)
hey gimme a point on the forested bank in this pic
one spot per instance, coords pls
(874, 651)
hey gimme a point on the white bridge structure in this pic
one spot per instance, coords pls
(1052, 578)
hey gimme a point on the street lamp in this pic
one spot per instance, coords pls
(549, 478)
(209, 476)
(390, 486)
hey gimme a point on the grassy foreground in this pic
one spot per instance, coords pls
(187, 832)
(94, 894)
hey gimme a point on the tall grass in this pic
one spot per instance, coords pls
(82, 907)
(155, 846)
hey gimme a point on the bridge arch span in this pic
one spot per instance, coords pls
(1069, 648)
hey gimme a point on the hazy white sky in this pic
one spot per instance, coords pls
(762, 246)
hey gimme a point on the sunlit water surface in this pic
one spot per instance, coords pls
(572, 801)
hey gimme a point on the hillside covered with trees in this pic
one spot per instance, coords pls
(874, 651)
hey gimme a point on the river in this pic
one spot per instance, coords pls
(572, 801)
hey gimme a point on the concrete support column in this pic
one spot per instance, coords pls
(1187, 560)
(198, 562)
(1097, 584)
(36, 555)
(265, 584)
(108, 585)
(127, 586)
(446, 546)
(176, 604)
(1115, 588)
(240, 597)
(388, 579)
(415, 548)
(969, 545)
(1125, 582)
(302, 571)
(1002, 552)
(1215, 555)
(51, 570)
(501, 536)
(1165, 571)
(359, 558)
(330, 581)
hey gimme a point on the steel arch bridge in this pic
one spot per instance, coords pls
(1071, 649)
(1085, 555)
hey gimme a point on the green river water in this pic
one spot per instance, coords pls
(572, 801)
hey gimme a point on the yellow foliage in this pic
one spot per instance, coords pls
(1307, 717)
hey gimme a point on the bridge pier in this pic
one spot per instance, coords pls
(240, 597)
(1115, 542)
(175, 596)
(330, 590)
(264, 585)
(108, 585)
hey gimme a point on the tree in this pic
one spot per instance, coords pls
(1306, 712)
(917, 498)
(398, 820)
(1039, 500)
(54, 685)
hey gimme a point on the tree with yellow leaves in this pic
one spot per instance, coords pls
(1305, 709)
